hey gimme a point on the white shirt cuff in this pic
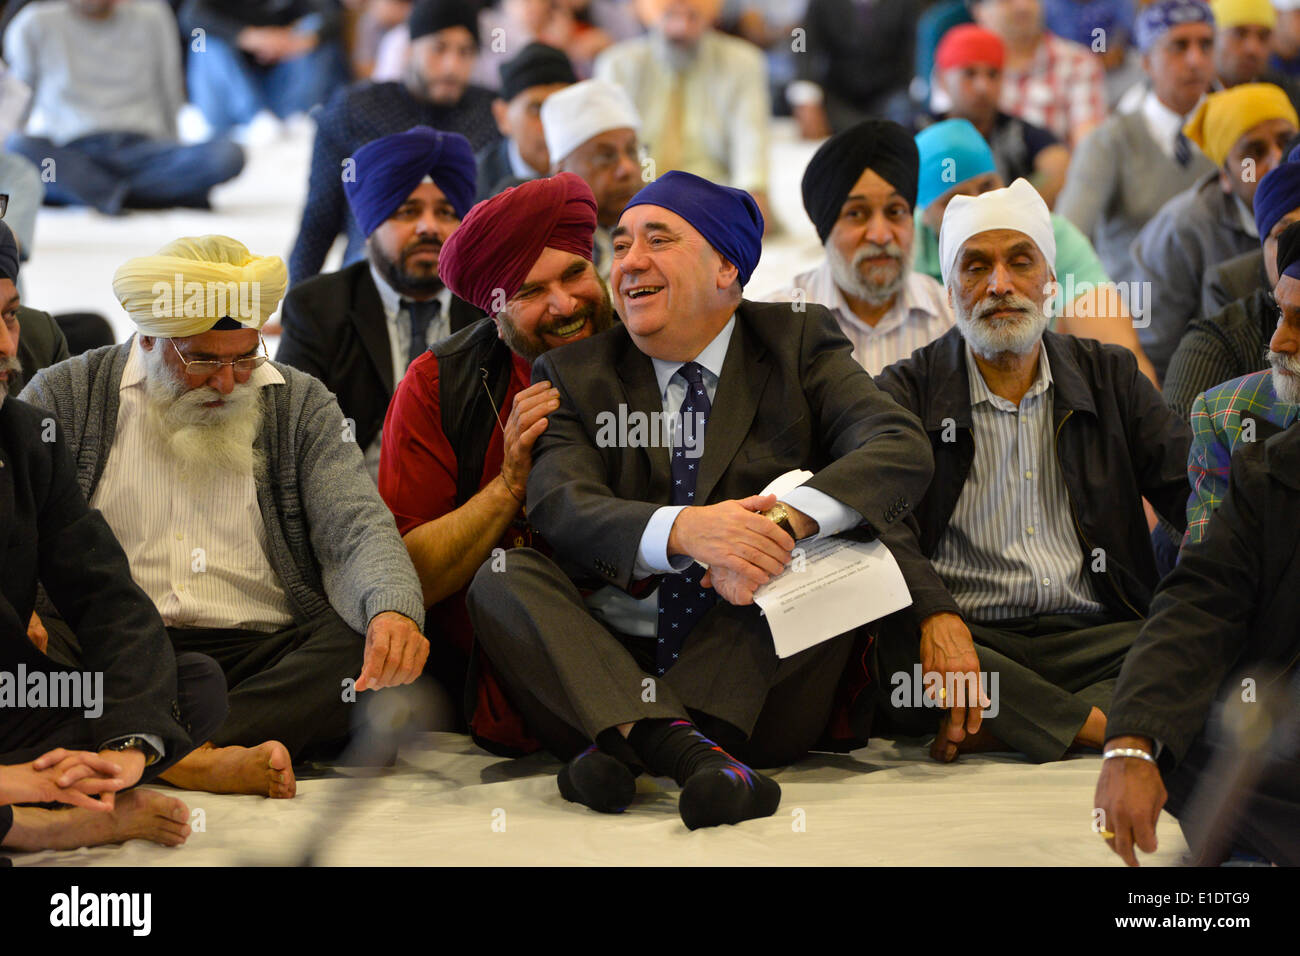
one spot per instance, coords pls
(831, 516)
(652, 555)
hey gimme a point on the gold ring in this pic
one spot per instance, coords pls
(1107, 835)
(943, 692)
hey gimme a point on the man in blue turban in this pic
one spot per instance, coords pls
(621, 651)
(359, 328)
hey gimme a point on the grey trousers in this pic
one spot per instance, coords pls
(1050, 672)
(574, 680)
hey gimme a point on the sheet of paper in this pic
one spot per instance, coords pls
(837, 584)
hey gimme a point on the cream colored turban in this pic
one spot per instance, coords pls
(191, 284)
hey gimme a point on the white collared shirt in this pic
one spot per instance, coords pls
(201, 557)
(398, 325)
(919, 315)
(1163, 124)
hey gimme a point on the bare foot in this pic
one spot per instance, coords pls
(264, 770)
(137, 814)
(953, 740)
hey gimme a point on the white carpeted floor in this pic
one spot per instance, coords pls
(450, 803)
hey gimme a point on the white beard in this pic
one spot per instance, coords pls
(990, 338)
(1287, 387)
(847, 276)
(203, 441)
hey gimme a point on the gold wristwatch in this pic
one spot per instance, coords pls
(781, 515)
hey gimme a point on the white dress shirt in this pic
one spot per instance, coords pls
(1163, 123)
(919, 315)
(398, 325)
(201, 557)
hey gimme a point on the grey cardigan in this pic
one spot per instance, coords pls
(331, 540)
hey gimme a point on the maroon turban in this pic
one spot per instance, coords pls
(497, 244)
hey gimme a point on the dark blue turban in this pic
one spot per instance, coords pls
(1277, 194)
(387, 170)
(728, 218)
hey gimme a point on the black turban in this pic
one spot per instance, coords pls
(430, 16)
(8, 254)
(1288, 251)
(536, 65)
(885, 148)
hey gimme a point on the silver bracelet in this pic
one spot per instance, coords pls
(1128, 752)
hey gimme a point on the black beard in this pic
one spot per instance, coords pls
(403, 282)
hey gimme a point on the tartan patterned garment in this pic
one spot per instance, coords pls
(1062, 90)
(1217, 430)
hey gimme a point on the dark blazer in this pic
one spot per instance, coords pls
(52, 536)
(1233, 600)
(41, 343)
(335, 329)
(790, 396)
(1116, 442)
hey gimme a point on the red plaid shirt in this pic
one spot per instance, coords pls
(1062, 89)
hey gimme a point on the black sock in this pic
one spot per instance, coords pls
(716, 787)
(597, 780)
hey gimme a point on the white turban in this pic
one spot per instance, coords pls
(191, 284)
(1018, 207)
(575, 114)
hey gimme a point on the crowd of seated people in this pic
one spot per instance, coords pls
(1050, 359)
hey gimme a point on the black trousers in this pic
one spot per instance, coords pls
(575, 681)
(1044, 676)
(287, 685)
(27, 733)
(1263, 817)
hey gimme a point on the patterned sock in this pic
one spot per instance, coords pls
(716, 787)
(597, 780)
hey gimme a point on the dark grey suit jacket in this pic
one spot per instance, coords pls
(41, 343)
(1234, 279)
(790, 396)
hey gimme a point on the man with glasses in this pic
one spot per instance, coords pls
(591, 129)
(241, 499)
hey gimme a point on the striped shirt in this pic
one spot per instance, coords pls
(1010, 549)
(200, 558)
(1062, 90)
(919, 315)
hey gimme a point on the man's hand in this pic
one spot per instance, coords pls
(64, 776)
(733, 537)
(812, 121)
(526, 423)
(395, 652)
(948, 649)
(37, 634)
(1130, 794)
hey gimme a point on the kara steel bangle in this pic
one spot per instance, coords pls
(1128, 752)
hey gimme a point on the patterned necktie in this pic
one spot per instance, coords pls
(1182, 150)
(422, 315)
(682, 601)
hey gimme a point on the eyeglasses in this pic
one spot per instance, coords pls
(4, 204)
(207, 367)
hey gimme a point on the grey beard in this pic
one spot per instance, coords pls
(848, 278)
(203, 441)
(13, 367)
(1286, 387)
(677, 57)
(1017, 336)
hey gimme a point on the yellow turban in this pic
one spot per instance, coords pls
(189, 285)
(1223, 117)
(1232, 13)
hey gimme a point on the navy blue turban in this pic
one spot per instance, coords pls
(387, 170)
(728, 218)
(8, 254)
(1277, 194)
